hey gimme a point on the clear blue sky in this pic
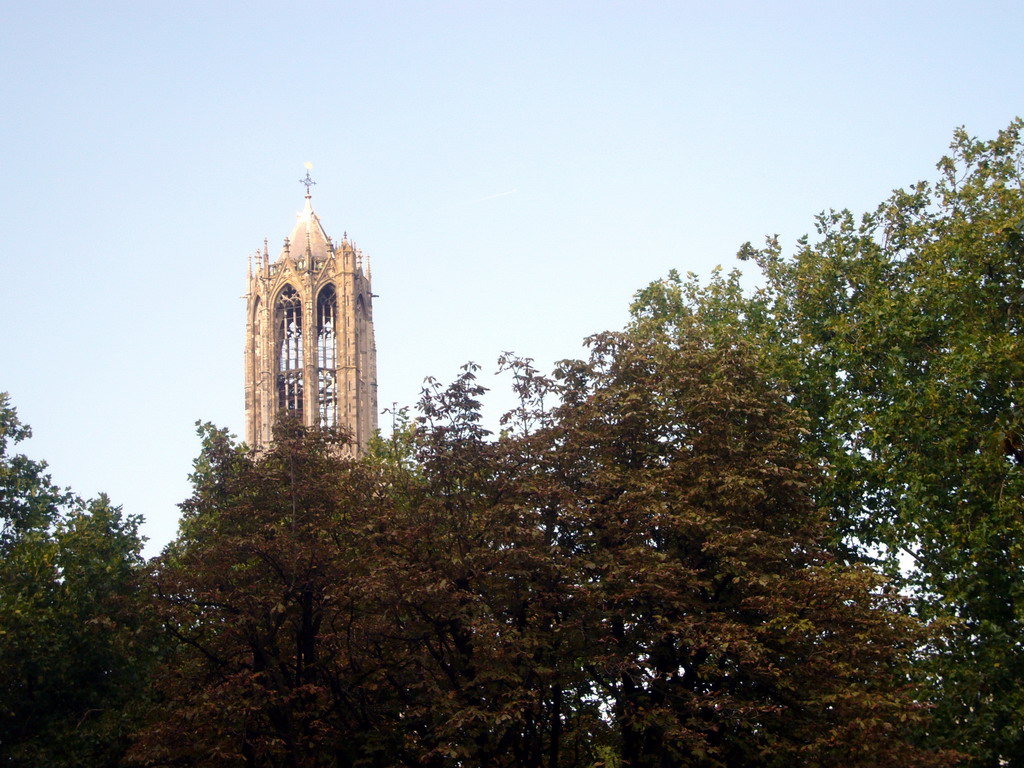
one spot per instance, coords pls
(515, 170)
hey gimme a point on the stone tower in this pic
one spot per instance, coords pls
(309, 347)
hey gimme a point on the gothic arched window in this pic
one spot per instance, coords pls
(288, 321)
(326, 355)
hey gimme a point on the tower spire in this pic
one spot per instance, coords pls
(310, 352)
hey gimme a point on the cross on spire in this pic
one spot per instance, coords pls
(307, 181)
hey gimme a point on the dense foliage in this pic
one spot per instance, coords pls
(74, 648)
(632, 574)
(900, 336)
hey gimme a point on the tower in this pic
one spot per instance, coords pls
(309, 346)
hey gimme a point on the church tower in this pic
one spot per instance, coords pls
(309, 347)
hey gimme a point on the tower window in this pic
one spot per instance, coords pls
(288, 316)
(326, 356)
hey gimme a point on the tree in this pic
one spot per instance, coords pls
(720, 630)
(29, 501)
(631, 573)
(333, 612)
(74, 644)
(243, 593)
(900, 337)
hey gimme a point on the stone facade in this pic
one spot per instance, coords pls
(309, 346)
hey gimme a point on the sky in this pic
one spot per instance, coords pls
(515, 171)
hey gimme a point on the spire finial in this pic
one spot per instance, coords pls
(308, 181)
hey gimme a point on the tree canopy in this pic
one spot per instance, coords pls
(74, 641)
(632, 573)
(899, 335)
